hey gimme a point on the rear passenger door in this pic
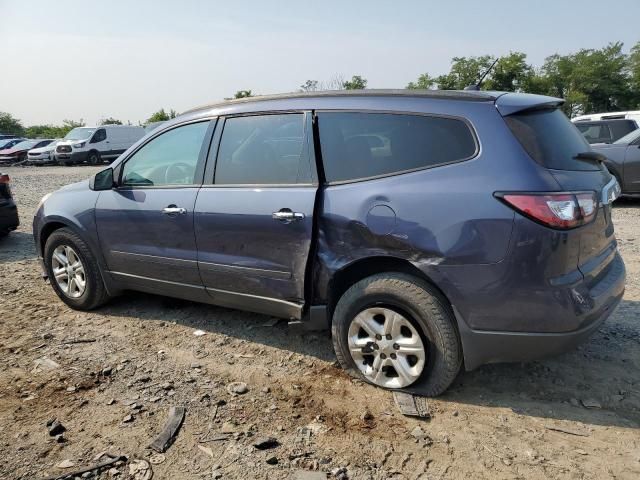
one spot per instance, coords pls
(254, 214)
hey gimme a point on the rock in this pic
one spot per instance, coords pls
(367, 416)
(140, 470)
(590, 403)
(237, 388)
(127, 419)
(579, 451)
(107, 371)
(47, 336)
(65, 464)
(228, 427)
(45, 364)
(199, 333)
(266, 390)
(166, 386)
(87, 475)
(60, 438)
(308, 475)
(111, 402)
(55, 427)
(272, 460)
(206, 450)
(574, 402)
(339, 471)
(265, 443)
(455, 413)
(418, 433)
(113, 472)
(71, 389)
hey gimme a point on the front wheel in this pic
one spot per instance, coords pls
(93, 158)
(73, 271)
(395, 331)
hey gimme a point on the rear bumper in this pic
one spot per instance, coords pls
(484, 346)
(9, 219)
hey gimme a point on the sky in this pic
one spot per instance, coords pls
(71, 59)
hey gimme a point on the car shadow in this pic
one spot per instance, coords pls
(627, 202)
(603, 370)
(17, 246)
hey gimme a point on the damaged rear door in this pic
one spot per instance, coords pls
(254, 215)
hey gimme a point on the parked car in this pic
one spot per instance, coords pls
(622, 158)
(4, 136)
(18, 152)
(10, 142)
(428, 229)
(96, 144)
(629, 115)
(605, 131)
(43, 155)
(8, 210)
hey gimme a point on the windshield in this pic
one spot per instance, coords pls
(629, 138)
(81, 133)
(25, 144)
(550, 139)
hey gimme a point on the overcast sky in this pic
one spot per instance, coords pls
(127, 58)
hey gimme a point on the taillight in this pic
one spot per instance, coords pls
(4, 178)
(555, 210)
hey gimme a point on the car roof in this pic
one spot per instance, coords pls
(507, 103)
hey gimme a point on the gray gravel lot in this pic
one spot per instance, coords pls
(113, 394)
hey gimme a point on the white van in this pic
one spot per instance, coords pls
(629, 115)
(96, 144)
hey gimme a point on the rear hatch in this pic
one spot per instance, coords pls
(556, 144)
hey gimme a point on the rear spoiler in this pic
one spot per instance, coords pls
(511, 103)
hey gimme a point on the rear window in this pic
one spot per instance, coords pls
(550, 139)
(358, 145)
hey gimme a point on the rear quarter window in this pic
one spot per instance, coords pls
(550, 139)
(357, 145)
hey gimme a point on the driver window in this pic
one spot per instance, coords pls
(99, 136)
(169, 159)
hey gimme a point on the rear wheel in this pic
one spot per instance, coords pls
(93, 158)
(395, 331)
(73, 271)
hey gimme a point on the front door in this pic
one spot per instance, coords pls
(254, 218)
(631, 168)
(145, 225)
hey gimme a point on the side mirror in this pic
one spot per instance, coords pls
(102, 180)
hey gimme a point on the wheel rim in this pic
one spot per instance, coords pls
(68, 271)
(386, 347)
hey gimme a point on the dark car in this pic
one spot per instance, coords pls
(427, 229)
(623, 160)
(18, 152)
(605, 131)
(8, 211)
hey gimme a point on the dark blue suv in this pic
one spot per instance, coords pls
(427, 229)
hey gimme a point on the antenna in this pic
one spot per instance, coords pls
(482, 77)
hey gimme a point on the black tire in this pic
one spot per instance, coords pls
(95, 293)
(93, 158)
(425, 309)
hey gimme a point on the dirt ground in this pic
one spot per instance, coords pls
(526, 421)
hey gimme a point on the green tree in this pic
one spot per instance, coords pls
(110, 121)
(464, 71)
(240, 94)
(10, 125)
(356, 83)
(424, 82)
(161, 116)
(511, 73)
(633, 71)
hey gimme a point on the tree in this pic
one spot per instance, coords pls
(633, 71)
(240, 94)
(10, 125)
(424, 82)
(464, 72)
(110, 121)
(356, 83)
(161, 116)
(511, 73)
(309, 86)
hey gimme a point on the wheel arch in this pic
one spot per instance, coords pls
(359, 269)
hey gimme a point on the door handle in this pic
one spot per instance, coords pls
(285, 215)
(172, 210)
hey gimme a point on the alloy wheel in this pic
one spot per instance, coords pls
(68, 271)
(386, 347)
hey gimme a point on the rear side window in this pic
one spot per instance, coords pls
(358, 145)
(550, 139)
(262, 150)
(594, 133)
(621, 128)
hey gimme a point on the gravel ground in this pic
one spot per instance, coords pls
(114, 394)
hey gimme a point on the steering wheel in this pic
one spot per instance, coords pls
(177, 173)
